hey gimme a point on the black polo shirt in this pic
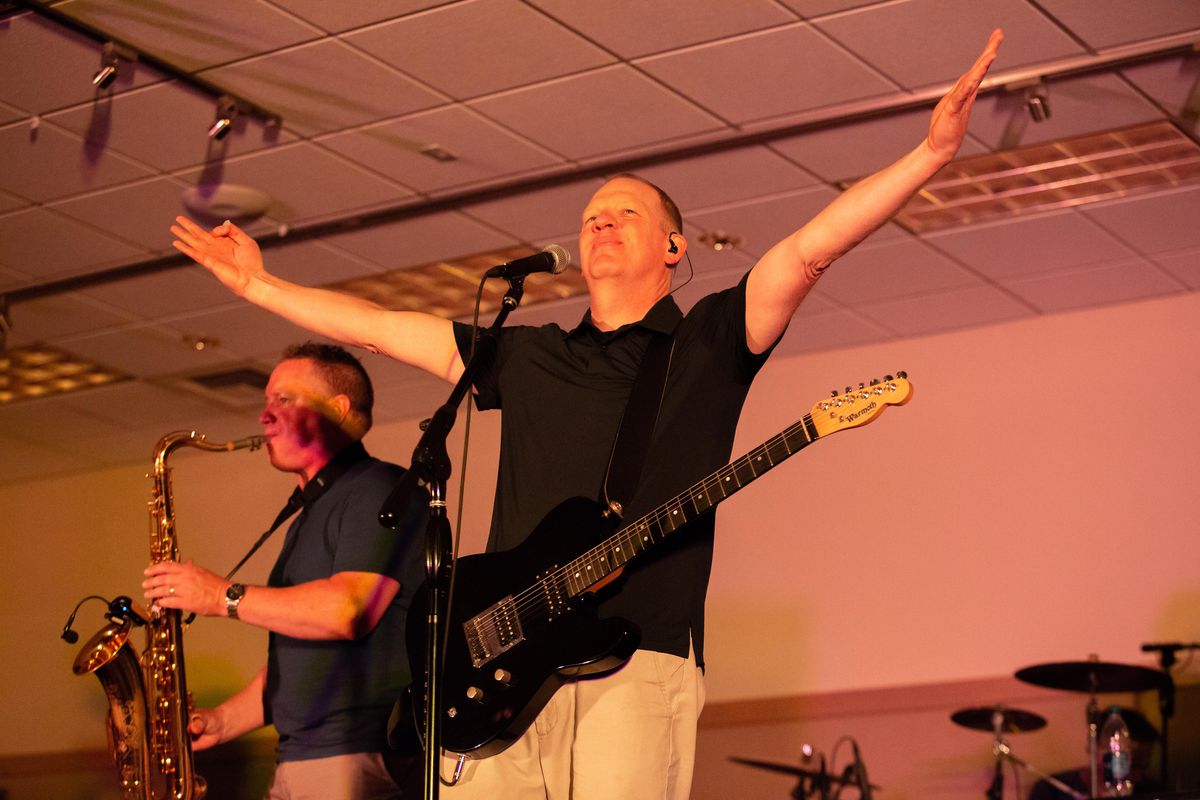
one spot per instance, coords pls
(562, 394)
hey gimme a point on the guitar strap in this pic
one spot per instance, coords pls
(637, 423)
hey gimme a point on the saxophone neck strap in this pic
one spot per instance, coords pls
(303, 497)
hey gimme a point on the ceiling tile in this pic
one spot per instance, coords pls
(539, 215)
(891, 35)
(945, 311)
(421, 240)
(32, 163)
(48, 66)
(725, 177)
(812, 331)
(1114, 283)
(1155, 223)
(165, 126)
(816, 8)
(589, 129)
(139, 213)
(851, 151)
(315, 263)
(1015, 247)
(245, 330)
(190, 35)
(164, 293)
(25, 460)
(762, 223)
(1184, 265)
(894, 268)
(752, 76)
(1077, 106)
(483, 149)
(344, 16)
(479, 47)
(10, 202)
(651, 26)
(157, 351)
(137, 404)
(68, 421)
(1170, 82)
(49, 318)
(304, 181)
(324, 87)
(41, 244)
(1104, 25)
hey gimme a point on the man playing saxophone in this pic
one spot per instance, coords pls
(335, 602)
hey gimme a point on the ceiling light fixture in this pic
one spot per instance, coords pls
(1038, 103)
(720, 240)
(106, 76)
(1052, 175)
(30, 372)
(227, 112)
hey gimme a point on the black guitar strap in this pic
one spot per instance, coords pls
(637, 423)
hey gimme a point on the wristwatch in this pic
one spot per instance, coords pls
(233, 596)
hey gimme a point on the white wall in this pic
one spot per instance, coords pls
(966, 534)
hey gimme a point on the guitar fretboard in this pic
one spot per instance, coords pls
(548, 597)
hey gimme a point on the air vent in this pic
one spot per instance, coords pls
(241, 387)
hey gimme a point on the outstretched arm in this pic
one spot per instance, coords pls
(785, 274)
(415, 338)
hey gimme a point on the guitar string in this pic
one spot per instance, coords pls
(532, 598)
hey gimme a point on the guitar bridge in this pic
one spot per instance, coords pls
(493, 632)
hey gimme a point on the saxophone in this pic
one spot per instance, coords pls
(147, 696)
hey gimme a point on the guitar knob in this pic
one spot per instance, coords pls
(503, 677)
(475, 693)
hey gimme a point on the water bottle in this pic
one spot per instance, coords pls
(1116, 750)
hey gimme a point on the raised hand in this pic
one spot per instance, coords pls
(949, 123)
(226, 251)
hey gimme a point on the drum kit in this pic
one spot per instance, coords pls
(1092, 677)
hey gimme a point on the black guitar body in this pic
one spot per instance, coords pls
(547, 638)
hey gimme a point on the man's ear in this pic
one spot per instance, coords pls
(677, 245)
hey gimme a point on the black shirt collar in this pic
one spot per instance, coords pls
(662, 317)
(334, 469)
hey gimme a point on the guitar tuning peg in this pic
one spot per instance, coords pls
(874, 381)
(888, 378)
(848, 390)
(902, 374)
(861, 385)
(833, 392)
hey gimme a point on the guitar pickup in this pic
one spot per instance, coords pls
(493, 632)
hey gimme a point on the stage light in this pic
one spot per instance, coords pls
(1037, 102)
(226, 113)
(109, 68)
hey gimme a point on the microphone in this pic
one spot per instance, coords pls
(553, 259)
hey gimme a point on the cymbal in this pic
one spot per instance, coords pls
(1014, 719)
(788, 769)
(1093, 676)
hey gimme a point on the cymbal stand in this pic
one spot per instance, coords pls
(1004, 753)
(1093, 728)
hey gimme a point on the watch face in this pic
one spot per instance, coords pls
(235, 591)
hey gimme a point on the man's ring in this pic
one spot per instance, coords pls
(171, 590)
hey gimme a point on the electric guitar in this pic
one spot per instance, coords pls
(521, 624)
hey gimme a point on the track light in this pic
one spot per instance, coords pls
(226, 113)
(1037, 102)
(109, 68)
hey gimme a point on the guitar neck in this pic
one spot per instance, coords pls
(639, 536)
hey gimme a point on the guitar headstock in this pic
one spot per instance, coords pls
(859, 406)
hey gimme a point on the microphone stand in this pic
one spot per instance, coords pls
(1166, 694)
(431, 467)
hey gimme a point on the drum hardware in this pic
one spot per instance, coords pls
(1099, 677)
(998, 721)
(815, 779)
